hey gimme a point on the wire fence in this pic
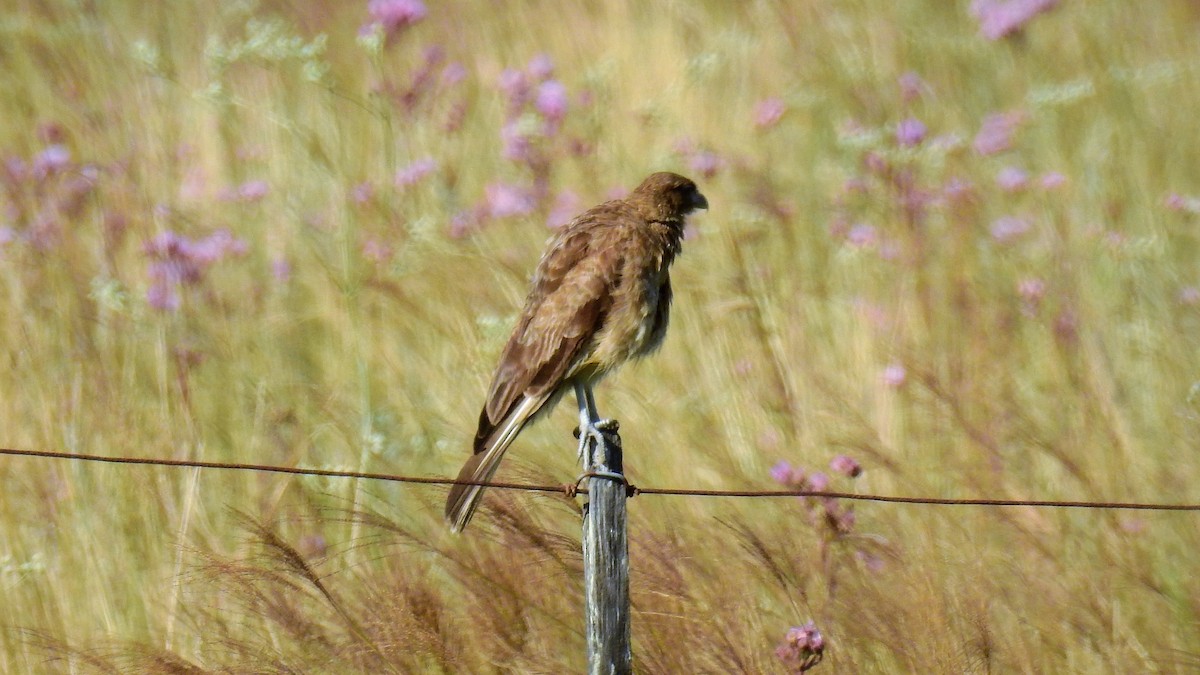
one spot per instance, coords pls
(571, 489)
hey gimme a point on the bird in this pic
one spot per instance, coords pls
(600, 296)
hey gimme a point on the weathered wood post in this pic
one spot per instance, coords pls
(606, 560)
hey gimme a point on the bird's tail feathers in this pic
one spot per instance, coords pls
(463, 499)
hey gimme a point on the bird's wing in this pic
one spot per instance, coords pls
(565, 308)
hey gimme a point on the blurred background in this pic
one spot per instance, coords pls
(953, 251)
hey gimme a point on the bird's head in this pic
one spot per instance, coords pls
(666, 196)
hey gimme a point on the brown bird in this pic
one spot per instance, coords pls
(600, 297)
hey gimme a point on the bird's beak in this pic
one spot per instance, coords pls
(699, 201)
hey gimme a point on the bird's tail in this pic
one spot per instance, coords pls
(463, 499)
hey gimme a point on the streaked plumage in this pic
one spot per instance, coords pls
(600, 297)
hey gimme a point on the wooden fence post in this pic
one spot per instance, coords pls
(606, 561)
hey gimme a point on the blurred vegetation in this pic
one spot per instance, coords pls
(269, 232)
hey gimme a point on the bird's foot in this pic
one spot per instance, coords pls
(603, 432)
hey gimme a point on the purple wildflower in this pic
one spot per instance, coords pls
(505, 199)
(214, 247)
(1001, 18)
(1012, 179)
(1184, 203)
(179, 261)
(415, 172)
(518, 146)
(847, 466)
(45, 231)
(377, 251)
(802, 648)
(843, 520)
(16, 169)
(894, 376)
(768, 112)
(706, 163)
(541, 67)
(362, 193)
(161, 295)
(253, 190)
(453, 73)
(1009, 228)
(910, 132)
(995, 135)
(786, 474)
(53, 159)
(566, 204)
(817, 481)
(515, 86)
(395, 15)
(281, 269)
(1031, 289)
(862, 235)
(552, 100)
(1052, 180)
(172, 255)
(463, 222)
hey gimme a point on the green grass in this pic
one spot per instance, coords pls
(1085, 389)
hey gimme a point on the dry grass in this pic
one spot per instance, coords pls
(1055, 362)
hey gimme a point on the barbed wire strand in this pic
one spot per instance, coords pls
(570, 489)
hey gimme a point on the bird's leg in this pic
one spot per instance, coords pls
(591, 426)
(605, 429)
(587, 416)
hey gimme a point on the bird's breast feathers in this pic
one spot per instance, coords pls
(633, 325)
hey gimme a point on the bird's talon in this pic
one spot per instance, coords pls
(607, 426)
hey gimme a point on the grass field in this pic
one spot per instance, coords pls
(272, 232)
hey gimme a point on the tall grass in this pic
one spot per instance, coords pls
(259, 232)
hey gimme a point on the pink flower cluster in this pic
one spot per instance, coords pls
(768, 112)
(427, 84)
(802, 648)
(700, 160)
(535, 108)
(1002, 18)
(1182, 203)
(391, 17)
(532, 137)
(828, 509)
(910, 132)
(996, 133)
(415, 172)
(177, 261)
(42, 194)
